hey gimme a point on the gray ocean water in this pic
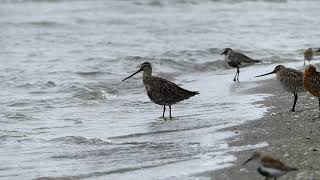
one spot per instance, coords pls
(66, 114)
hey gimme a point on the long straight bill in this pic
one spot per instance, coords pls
(247, 161)
(132, 75)
(265, 74)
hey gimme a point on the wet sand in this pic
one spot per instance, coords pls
(292, 137)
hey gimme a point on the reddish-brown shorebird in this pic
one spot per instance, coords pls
(269, 167)
(311, 81)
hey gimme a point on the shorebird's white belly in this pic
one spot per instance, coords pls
(272, 171)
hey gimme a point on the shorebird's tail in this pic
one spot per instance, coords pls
(256, 61)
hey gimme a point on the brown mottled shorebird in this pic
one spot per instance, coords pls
(162, 91)
(290, 79)
(269, 167)
(308, 55)
(311, 81)
(237, 60)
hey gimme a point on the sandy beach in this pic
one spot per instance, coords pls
(292, 137)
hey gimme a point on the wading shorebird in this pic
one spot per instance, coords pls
(290, 79)
(311, 81)
(308, 55)
(269, 167)
(237, 60)
(162, 91)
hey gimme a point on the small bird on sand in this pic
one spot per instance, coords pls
(290, 79)
(311, 81)
(269, 167)
(308, 55)
(162, 91)
(237, 60)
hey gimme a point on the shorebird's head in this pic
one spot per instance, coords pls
(226, 50)
(276, 69)
(311, 69)
(256, 156)
(145, 67)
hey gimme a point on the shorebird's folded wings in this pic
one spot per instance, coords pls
(315, 82)
(243, 58)
(273, 163)
(168, 91)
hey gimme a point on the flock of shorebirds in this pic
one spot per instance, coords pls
(166, 93)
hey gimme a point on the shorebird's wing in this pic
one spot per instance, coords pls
(315, 82)
(292, 79)
(168, 91)
(308, 54)
(269, 162)
(241, 58)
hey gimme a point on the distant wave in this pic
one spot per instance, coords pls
(153, 2)
(90, 73)
(81, 140)
(21, 1)
(94, 91)
(38, 24)
(159, 3)
(196, 61)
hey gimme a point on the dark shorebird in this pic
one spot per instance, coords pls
(237, 60)
(269, 167)
(311, 81)
(162, 91)
(290, 79)
(308, 55)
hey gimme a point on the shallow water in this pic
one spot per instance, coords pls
(66, 113)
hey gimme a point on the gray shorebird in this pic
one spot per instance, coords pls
(162, 91)
(269, 167)
(237, 60)
(290, 79)
(311, 81)
(308, 55)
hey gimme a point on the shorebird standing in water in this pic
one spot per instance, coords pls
(162, 91)
(290, 79)
(308, 55)
(269, 167)
(237, 60)
(311, 81)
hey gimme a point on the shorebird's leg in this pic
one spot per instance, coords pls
(170, 112)
(238, 71)
(164, 110)
(275, 178)
(295, 101)
(235, 76)
(304, 62)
